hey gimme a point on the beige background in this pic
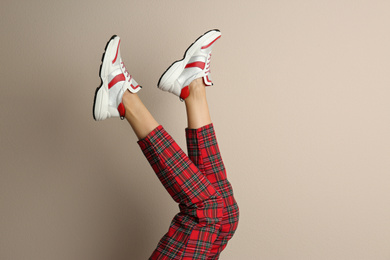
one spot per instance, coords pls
(300, 105)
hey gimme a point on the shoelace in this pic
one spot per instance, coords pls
(208, 64)
(128, 74)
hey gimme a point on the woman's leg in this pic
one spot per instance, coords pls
(204, 152)
(187, 79)
(201, 206)
(138, 115)
(198, 114)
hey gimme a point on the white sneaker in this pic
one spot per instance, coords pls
(115, 81)
(195, 64)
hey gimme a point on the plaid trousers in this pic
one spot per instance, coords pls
(208, 214)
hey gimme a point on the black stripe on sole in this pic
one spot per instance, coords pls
(100, 72)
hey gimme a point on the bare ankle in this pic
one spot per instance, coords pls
(197, 83)
(197, 89)
(130, 100)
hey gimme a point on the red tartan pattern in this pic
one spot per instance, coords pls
(204, 152)
(197, 226)
(208, 214)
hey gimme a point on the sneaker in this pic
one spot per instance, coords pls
(115, 81)
(195, 64)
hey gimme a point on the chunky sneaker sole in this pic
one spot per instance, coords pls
(115, 80)
(194, 64)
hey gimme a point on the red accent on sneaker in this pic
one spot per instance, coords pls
(211, 43)
(198, 64)
(115, 80)
(132, 86)
(207, 81)
(121, 110)
(185, 92)
(117, 50)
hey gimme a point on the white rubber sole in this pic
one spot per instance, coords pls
(101, 109)
(173, 72)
